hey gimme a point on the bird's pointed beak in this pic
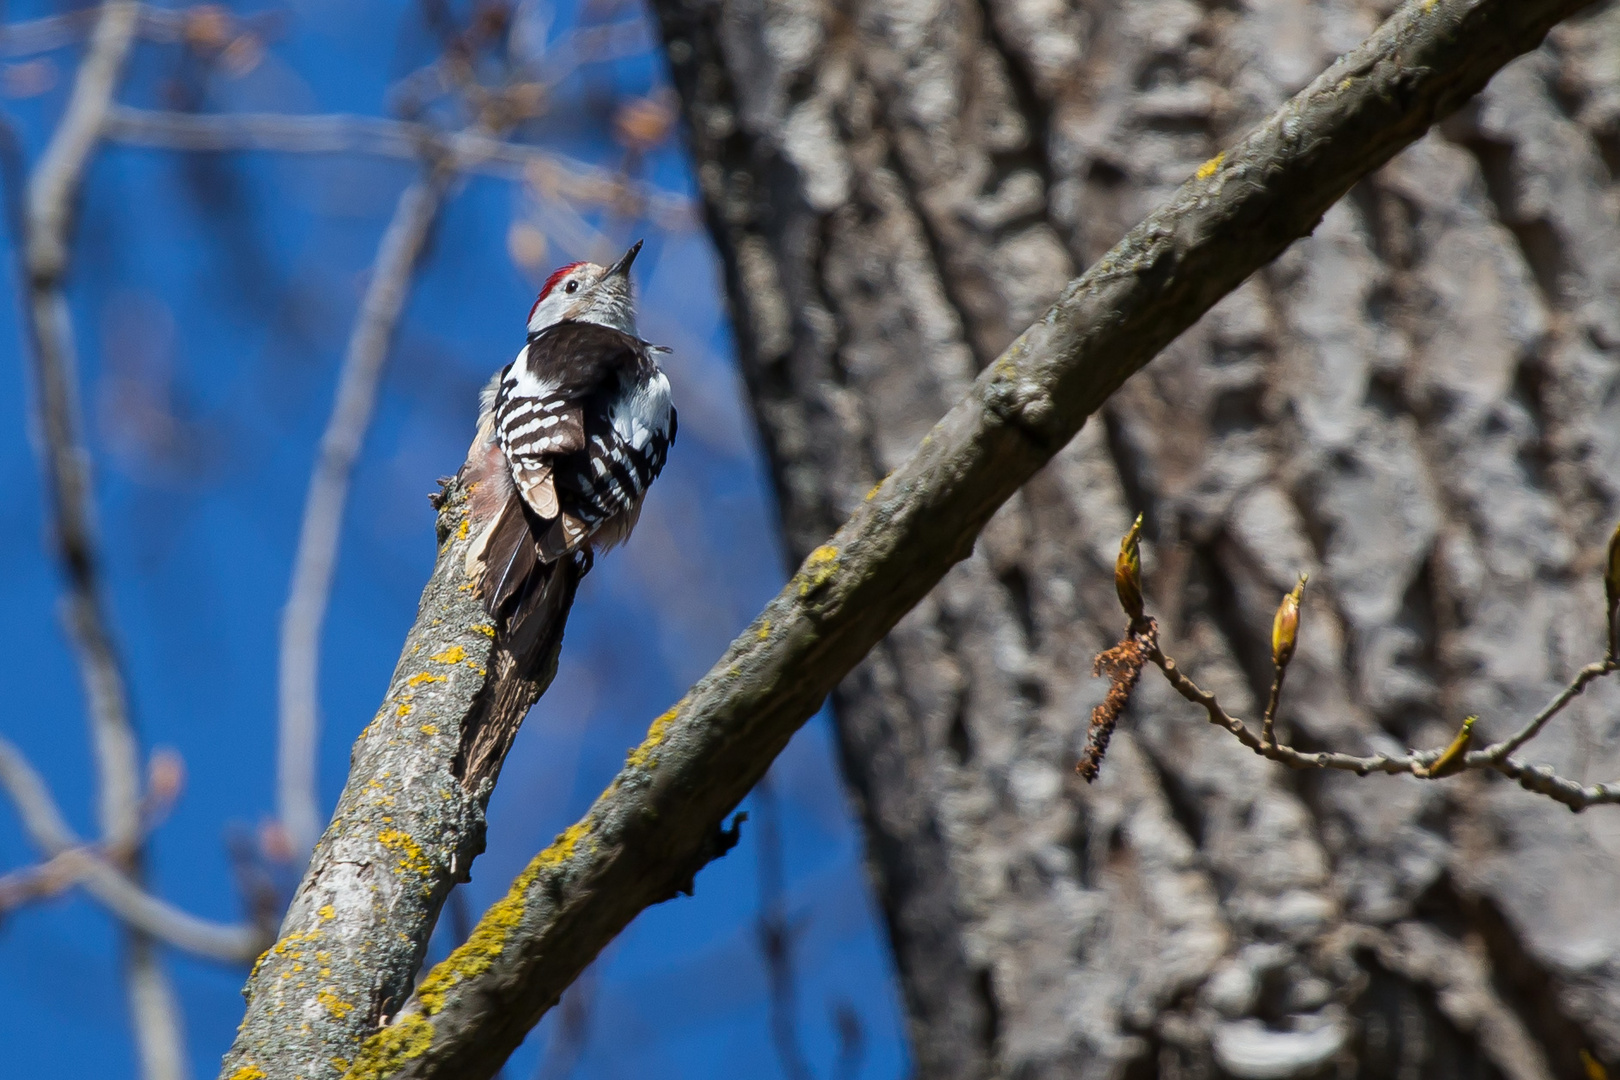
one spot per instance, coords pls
(623, 265)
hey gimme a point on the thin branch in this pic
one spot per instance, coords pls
(297, 798)
(71, 861)
(1500, 751)
(598, 44)
(1538, 778)
(572, 1037)
(469, 151)
(1268, 720)
(777, 932)
(52, 193)
(33, 36)
(660, 820)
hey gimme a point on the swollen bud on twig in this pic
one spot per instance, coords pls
(165, 778)
(1452, 760)
(1611, 590)
(1285, 627)
(1128, 571)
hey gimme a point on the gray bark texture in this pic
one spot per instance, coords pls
(1419, 404)
(407, 827)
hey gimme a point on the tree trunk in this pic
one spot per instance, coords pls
(1419, 405)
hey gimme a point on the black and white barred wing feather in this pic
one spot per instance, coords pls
(584, 423)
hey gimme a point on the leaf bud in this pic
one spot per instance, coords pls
(1452, 760)
(1128, 571)
(1285, 626)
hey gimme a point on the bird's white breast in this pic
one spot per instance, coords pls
(643, 413)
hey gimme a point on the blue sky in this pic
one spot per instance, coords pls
(211, 300)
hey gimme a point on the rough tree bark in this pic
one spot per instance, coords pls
(1419, 404)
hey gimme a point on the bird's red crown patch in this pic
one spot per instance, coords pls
(551, 283)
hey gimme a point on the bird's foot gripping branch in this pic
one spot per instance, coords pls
(1141, 646)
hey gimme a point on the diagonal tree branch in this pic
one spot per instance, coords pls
(297, 797)
(52, 192)
(658, 822)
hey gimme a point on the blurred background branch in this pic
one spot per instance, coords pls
(53, 191)
(297, 794)
(70, 861)
(470, 151)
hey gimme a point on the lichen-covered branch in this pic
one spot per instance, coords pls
(407, 827)
(659, 821)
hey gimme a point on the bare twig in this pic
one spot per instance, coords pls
(1268, 720)
(297, 800)
(777, 934)
(32, 36)
(594, 45)
(52, 192)
(470, 151)
(568, 1045)
(71, 861)
(1500, 751)
(1538, 778)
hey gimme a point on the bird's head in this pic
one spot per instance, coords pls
(588, 292)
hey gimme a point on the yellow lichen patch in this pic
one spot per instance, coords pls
(288, 946)
(483, 946)
(561, 849)
(257, 964)
(429, 729)
(408, 1037)
(409, 852)
(455, 654)
(1207, 169)
(877, 487)
(248, 1072)
(405, 706)
(1346, 83)
(340, 1064)
(764, 630)
(642, 756)
(424, 677)
(461, 533)
(487, 631)
(327, 911)
(334, 1004)
(819, 569)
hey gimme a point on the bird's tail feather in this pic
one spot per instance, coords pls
(510, 557)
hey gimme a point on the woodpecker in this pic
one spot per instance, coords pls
(570, 436)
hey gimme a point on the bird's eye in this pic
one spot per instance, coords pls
(572, 286)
